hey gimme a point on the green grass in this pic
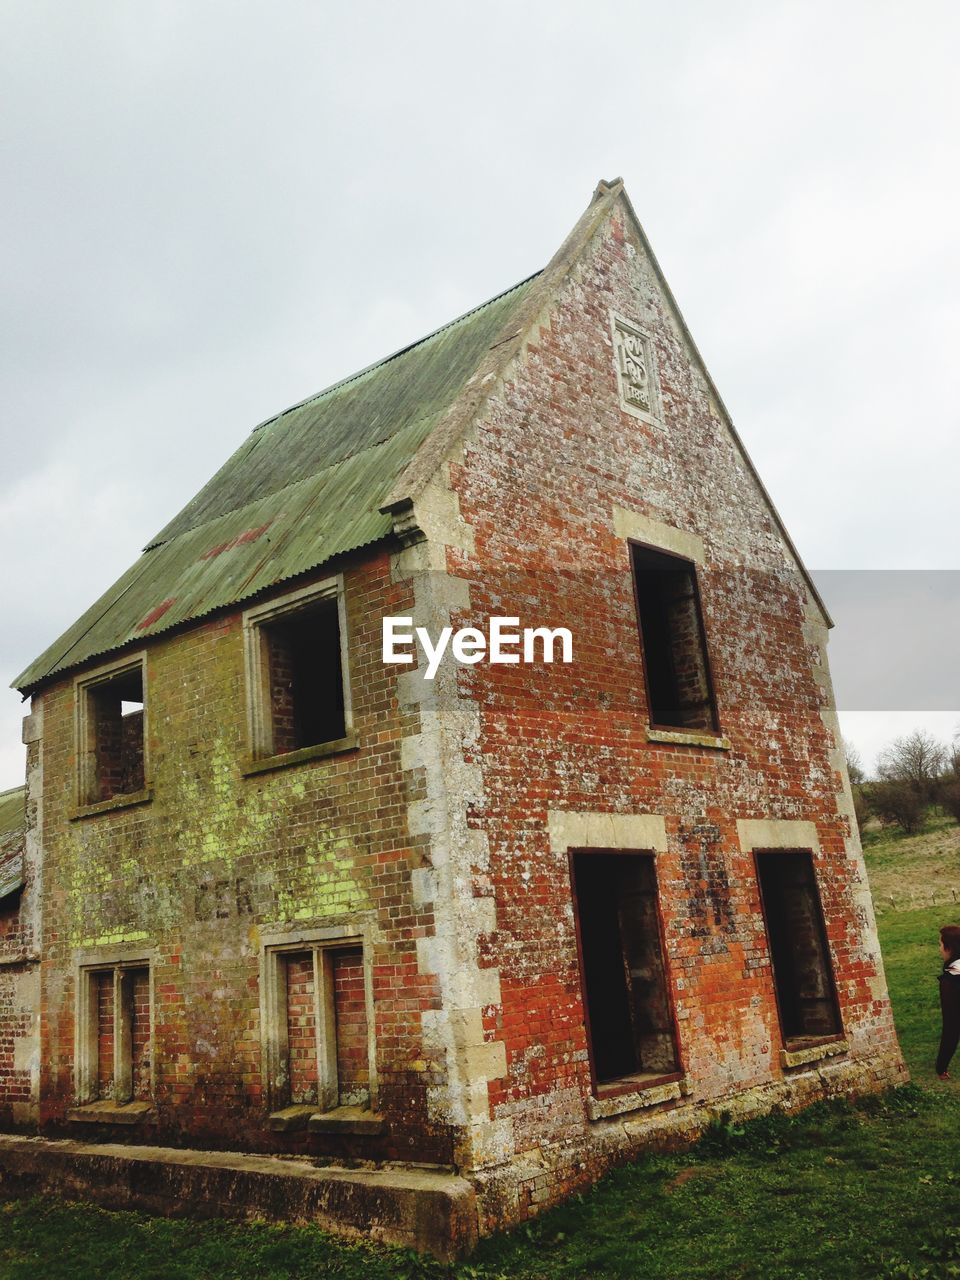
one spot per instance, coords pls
(841, 1191)
(907, 872)
(909, 941)
(877, 836)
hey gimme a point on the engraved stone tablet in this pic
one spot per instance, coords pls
(635, 373)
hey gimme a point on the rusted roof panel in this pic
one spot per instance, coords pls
(306, 486)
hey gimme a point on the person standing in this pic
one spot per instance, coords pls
(949, 997)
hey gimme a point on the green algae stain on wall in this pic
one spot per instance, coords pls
(101, 885)
(327, 882)
(215, 822)
(216, 827)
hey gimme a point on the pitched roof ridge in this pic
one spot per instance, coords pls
(10, 790)
(468, 404)
(401, 351)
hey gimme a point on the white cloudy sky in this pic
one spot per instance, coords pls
(213, 209)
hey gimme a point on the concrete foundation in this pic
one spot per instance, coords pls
(427, 1210)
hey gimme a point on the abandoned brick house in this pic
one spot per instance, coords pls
(513, 922)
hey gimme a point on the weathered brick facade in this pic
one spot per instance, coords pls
(20, 883)
(193, 875)
(408, 890)
(548, 482)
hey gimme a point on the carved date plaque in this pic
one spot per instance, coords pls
(635, 372)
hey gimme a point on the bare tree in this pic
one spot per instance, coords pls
(917, 759)
(854, 763)
(950, 797)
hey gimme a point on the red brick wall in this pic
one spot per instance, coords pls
(301, 1026)
(11, 922)
(15, 1025)
(217, 858)
(280, 671)
(537, 483)
(140, 1033)
(119, 745)
(18, 978)
(103, 1004)
(353, 1058)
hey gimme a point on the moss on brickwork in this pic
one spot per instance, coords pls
(218, 859)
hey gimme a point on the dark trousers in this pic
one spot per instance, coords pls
(950, 1008)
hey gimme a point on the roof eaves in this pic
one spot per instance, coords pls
(63, 665)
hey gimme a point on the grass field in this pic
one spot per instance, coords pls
(842, 1191)
(913, 871)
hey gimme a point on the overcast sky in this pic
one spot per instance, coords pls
(211, 210)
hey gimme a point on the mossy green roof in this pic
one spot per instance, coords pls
(304, 487)
(12, 833)
(12, 809)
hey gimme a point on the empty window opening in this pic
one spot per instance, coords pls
(679, 689)
(802, 975)
(114, 724)
(305, 678)
(325, 1049)
(629, 1016)
(117, 1056)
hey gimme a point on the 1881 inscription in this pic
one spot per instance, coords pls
(634, 367)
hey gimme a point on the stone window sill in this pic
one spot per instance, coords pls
(633, 1093)
(803, 1054)
(346, 1121)
(126, 801)
(110, 1113)
(680, 738)
(21, 956)
(318, 752)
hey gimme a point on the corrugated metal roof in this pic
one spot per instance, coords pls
(304, 487)
(12, 824)
(12, 810)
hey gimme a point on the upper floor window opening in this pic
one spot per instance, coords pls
(111, 737)
(297, 671)
(675, 659)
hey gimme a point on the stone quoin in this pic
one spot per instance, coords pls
(459, 935)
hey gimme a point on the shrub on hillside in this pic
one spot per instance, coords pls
(899, 802)
(950, 798)
(861, 806)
